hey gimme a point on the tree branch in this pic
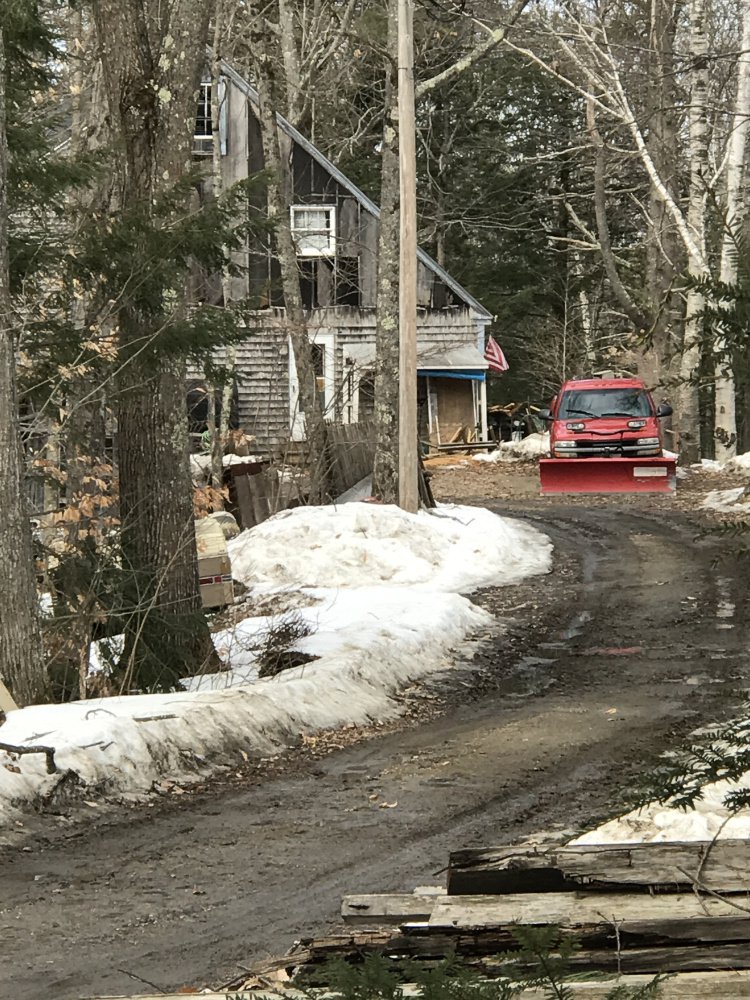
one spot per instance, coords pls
(495, 38)
(48, 752)
(632, 311)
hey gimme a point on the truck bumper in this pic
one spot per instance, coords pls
(608, 475)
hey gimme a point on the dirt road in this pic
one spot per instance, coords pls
(593, 679)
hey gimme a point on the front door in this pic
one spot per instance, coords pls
(323, 360)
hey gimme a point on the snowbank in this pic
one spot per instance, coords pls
(371, 642)
(455, 548)
(380, 588)
(531, 447)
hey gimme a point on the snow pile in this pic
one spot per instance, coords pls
(724, 500)
(380, 590)
(451, 549)
(657, 823)
(371, 643)
(531, 447)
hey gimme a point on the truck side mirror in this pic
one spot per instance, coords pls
(664, 410)
(544, 414)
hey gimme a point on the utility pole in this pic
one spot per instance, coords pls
(408, 491)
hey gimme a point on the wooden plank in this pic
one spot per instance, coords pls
(647, 919)
(391, 908)
(723, 867)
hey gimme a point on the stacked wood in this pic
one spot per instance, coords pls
(641, 908)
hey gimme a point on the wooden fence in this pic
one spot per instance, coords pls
(352, 452)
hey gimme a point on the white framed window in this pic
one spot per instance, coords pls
(203, 130)
(314, 230)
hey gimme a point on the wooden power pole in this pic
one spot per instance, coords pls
(408, 491)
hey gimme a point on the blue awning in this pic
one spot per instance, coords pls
(473, 376)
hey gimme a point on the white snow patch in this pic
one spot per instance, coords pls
(533, 446)
(656, 823)
(379, 587)
(723, 500)
(360, 491)
(740, 463)
(707, 465)
(454, 548)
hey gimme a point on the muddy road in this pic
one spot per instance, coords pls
(638, 636)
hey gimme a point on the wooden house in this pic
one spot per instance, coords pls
(335, 226)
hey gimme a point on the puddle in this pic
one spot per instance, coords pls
(725, 606)
(534, 674)
(576, 626)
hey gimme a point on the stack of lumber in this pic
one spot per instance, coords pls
(639, 909)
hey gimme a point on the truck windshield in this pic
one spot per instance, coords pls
(605, 403)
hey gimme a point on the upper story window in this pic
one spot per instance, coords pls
(314, 230)
(203, 133)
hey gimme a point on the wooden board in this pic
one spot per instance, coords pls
(6, 700)
(637, 919)
(388, 908)
(723, 867)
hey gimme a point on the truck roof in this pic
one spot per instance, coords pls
(603, 383)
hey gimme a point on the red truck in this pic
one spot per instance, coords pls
(605, 437)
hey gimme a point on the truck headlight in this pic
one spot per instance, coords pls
(561, 445)
(648, 441)
(635, 424)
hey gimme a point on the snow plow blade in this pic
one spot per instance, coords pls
(607, 475)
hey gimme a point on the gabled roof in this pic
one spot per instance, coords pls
(354, 191)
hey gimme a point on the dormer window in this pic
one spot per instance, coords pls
(314, 230)
(203, 134)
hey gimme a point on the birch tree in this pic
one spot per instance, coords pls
(689, 416)
(725, 421)
(21, 660)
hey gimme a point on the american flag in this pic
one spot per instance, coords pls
(493, 353)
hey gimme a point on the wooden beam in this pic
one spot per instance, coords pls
(665, 916)
(723, 867)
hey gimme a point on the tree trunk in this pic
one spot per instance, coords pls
(664, 252)
(279, 196)
(385, 470)
(725, 420)
(689, 412)
(21, 660)
(153, 58)
(230, 356)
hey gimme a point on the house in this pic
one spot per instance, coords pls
(335, 227)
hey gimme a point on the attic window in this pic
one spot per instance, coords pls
(314, 230)
(203, 132)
